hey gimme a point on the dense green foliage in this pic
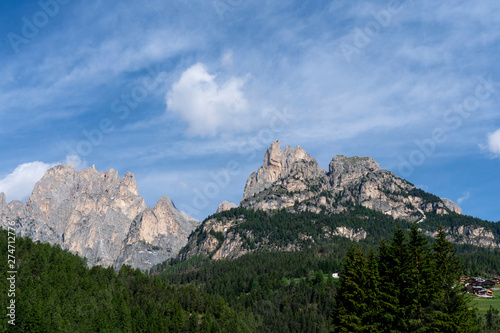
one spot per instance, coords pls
(409, 286)
(492, 320)
(281, 227)
(287, 290)
(57, 292)
(268, 280)
(454, 220)
(278, 229)
(266, 290)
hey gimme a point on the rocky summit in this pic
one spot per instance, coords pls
(225, 206)
(292, 178)
(99, 216)
(290, 182)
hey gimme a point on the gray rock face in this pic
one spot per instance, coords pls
(220, 241)
(284, 179)
(279, 165)
(224, 206)
(469, 234)
(101, 217)
(452, 206)
(293, 179)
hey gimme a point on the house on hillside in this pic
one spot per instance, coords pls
(335, 275)
(481, 292)
(489, 284)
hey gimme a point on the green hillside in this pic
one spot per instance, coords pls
(262, 291)
(57, 292)
(294, 291)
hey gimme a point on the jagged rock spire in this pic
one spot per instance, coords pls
(101, 217)
(279, 164)
(292, 178)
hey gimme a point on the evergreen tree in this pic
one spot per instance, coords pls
(418, 279)
(393, 263)
(371, 317)
(389, 301)
(351, 296)
(450, 303)
(412, 287)
(492, 322)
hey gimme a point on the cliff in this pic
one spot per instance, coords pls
(291, 178)
(99, 216)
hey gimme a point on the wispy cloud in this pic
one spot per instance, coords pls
(463, 198)
(393, 93)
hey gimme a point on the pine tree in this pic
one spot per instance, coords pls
(371, 317)
(389, 301)
(419, 283)
(351, 296)
(450, 302)
(393, 263)
(492, 320)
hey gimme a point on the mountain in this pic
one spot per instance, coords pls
(291, 178)
(99, 216)
(290, 203)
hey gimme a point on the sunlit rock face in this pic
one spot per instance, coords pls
(292, 178)
(100, 216)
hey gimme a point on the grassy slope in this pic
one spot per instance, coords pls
(483, 304)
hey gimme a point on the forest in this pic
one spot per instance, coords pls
(266, 290)
(57, 292)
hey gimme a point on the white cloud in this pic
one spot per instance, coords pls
(464, 197)
(494, 142)
(208, 106)
(19, 184)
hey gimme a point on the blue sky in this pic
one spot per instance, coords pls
(188, 95)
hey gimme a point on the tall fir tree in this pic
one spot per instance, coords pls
(351, 296)
(409, 287)
(451, 310)
(389, 301)
(371, 318)
(419, 284)
(393, 263)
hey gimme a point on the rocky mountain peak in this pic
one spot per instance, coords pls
(3, 202)
(301, 154)
(101, 217)
(225, 206)
(129, 184)
(452, 206)
(294, 179)
(343, 169)
(280, 164)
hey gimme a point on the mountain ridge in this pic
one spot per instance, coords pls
(99, 216)
(103, 217)
(348, 201)
(292, 176)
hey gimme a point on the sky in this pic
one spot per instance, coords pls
(188, 95)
